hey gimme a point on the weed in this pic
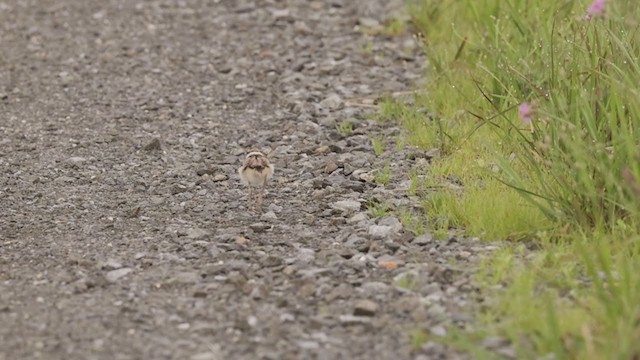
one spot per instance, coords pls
(383, 176)
(394, 27)
(406, 281)
(345, 128)
(378, 145)
(411, 222)
(377, 209)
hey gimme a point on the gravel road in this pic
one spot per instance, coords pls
(124, 231)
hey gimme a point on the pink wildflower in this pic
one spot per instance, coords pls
(525, 110)
(596, 8)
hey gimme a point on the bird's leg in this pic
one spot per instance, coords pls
(260, 197)
(251, 205)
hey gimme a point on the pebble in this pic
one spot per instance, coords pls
(423, 239)
(347, 205)
(115, 275)
(154, 145)
(330, 167)
(76, 161)
(391, 221)
(358, 218)
(197, 233)
(186, 277)
(269, 216)
(365, 308)
(438, 330)
(379, 232)
(271, 261)
(220, 177)
(374, 287)
(305, 256)
(354, 320)
(110, 264)
(331, 102)
(206, 356)
(259, 227)
(494, 342)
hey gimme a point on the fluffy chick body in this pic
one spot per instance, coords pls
(255, 171)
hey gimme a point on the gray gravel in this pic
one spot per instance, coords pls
(124, 232)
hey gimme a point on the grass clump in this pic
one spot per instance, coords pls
(345, 128)
(378, 145)
(534, 107)
(378, 209)
(383, 176)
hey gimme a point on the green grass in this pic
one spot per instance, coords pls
(406, 281)
(394, 27)
(377, 209)
(411, 222)
(345, 128)
(383, 176)
(378, 145)
(568, 181)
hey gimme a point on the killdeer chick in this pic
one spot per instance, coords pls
(255, 171)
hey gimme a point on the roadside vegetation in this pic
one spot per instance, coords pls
(534, 108)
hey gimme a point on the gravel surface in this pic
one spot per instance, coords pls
(124, 231)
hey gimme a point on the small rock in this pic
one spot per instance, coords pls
(424, 239)
(346, 205)
(347, 169)
(433, 153)
(369, 177)
(269, 216)
(186, 277)
(115, 275)
(393, 222)
(374, 287)
(365, 308)
(380, 231)
(331, 102)
(342, 291)
(252, 321)
(369, 22)
(271, 261)
(139, 255)
(178, 189)
(65, 179)
(205, 171)
(153, 145)
(330, 167)
(357, 218)
(211, 355)
(76, 161)
(322, 149)
(197, 233)
(110, 265)
(354, 320)
(220, 177)
(438, 330)
(305, 256)
(494, 342)
(241, 240)
(259, 227)
(308, 345)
